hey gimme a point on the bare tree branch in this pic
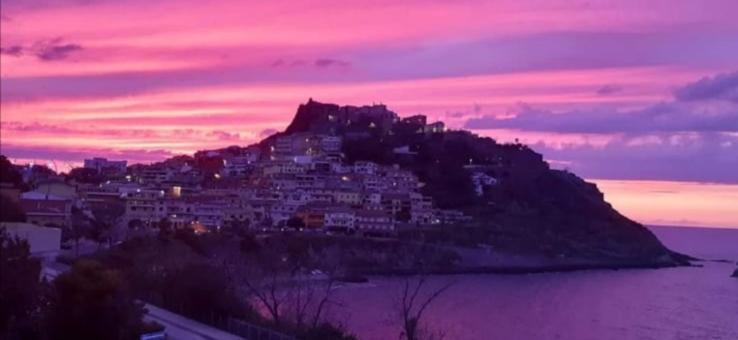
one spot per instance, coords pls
(413, 306)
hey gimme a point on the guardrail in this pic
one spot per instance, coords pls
(253, 332)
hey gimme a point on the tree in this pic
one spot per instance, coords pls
(80, 227)
(275, 276)
(295, 223)
(20, 289)
(39, 173)
(10, 210)
(165, 228)
(403, 215)
(85, 175)
(8, 174)
(237, 227)
(202, 292)
(326, 331)
(106, 220)
(413, 303)
(135, 224)
(92, 302)
(248, 243)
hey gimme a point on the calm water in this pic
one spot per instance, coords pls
(675, 303)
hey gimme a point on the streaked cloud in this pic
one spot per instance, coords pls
(45, 50)
(687, 112)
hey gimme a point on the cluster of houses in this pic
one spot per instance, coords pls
(294, 181)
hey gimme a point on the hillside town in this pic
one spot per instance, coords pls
(342, 194)
(297, 181)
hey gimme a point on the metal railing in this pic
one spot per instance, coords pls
(253, 332)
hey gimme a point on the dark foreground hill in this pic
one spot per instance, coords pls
(532, 209)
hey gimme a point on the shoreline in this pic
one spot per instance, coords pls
(524, 270)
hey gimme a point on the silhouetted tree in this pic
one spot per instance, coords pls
(403, 215)
(295, 223)
(202, 292)
(135, 224)
(8, 174)
(249, 243)
(106, 219)
(85, 175)
(326, 331)
(80, 228)
(20, 288)
(92, 302)
(10, 210)
(165, 228)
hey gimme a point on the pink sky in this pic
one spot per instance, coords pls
(620, 90)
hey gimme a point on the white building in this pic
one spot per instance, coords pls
(100, 164)
(373, 221)
(339, 217)
(365, 168)
(330, 144)
(437, 127)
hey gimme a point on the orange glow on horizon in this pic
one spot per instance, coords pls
(673, 203)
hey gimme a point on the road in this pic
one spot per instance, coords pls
(177, 326)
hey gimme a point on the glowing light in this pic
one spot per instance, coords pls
(176, 191)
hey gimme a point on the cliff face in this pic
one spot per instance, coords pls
(532, 209)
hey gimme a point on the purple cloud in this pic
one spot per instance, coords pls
(609, 89)
(687, 139)
(674, 116)
(278, 63)
(723, 86)
(224, 136)
(699, 157)
(319, 63)
(331, 62)
(47, 50)
(15, 51)
(36, 127)
(664, 117)
(54, 49)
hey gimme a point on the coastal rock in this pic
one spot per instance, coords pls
(333, 119)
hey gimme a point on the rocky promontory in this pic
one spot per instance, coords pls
(530, 209)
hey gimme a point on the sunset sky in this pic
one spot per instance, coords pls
(639, 96)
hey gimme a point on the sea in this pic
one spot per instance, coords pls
(670, 303)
